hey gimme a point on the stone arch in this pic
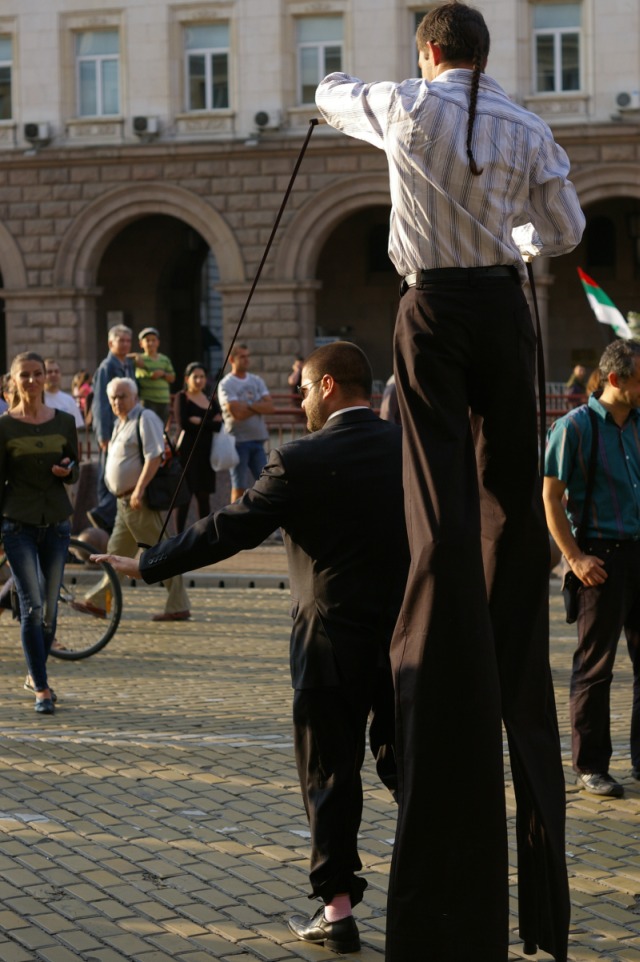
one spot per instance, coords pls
(305, 236)
(90, 234)
(14, 274)
(603, 182)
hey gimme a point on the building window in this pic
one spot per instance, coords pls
(557, 47)
(98, 73)
(319, 53)
(207, 61)
(6, 65)
(418, 17)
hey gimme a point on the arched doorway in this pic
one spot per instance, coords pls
(610, 253)
(159, 271)
(193, 239)
(358, 299)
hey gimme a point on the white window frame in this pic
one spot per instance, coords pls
(208, 53)
(320, 46)
(98, 60)
(557, 33)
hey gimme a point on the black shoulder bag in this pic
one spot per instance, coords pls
(571, 582)
(167, 480)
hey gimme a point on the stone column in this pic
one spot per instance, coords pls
(55, 322)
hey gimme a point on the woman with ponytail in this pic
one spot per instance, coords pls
(467, 166)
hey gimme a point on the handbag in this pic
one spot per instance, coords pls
(161, 491)
(571, 583)
(223, 455)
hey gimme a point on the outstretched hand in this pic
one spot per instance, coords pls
(124, 566)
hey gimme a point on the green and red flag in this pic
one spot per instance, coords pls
(603, 307)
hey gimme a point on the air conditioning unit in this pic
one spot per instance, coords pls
(145, 126)
(268, 119)
(37, 133)
(628, 101)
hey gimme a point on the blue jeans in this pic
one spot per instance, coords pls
(107, 504)
(252, 459)
(37, 556)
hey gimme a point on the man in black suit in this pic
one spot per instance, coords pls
(337, 495)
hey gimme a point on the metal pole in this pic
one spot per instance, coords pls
(312, 124)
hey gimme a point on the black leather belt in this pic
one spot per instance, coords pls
(439, 274)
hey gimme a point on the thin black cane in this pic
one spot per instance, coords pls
(312, 123)
(542, 387)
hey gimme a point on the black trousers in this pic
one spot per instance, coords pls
(330, 737)
(603, 612)
(471, 644)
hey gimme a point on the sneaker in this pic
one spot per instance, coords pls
(45, 706)
(635, 773)
(600, 783)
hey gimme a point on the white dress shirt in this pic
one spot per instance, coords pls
(61, 401)
(443, 216)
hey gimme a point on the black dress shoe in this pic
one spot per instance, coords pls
(339, 936)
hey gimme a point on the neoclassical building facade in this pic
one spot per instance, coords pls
(145, 152)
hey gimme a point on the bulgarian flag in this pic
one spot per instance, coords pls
(603, 307)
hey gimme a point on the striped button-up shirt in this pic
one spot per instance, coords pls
(615, 504)
(443, 216)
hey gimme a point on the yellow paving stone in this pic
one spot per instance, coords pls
(128, 944)
(150, 910)
(33, 937)
(263, 949)
(10, 952)
(607, 910)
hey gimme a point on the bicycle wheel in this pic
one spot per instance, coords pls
(78, 633)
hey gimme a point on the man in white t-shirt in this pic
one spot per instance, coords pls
(54, 397)
(245, 399)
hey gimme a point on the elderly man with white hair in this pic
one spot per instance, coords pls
(135, 454)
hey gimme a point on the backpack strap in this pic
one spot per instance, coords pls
(591, 476)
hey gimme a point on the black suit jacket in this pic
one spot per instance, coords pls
(337, 495)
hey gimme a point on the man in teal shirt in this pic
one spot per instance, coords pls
(607, 562)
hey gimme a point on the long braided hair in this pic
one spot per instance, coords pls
(463, 37)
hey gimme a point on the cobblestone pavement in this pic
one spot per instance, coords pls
(157, 817)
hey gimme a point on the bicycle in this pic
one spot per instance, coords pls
(78, 633)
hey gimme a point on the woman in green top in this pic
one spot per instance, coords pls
(38, 455)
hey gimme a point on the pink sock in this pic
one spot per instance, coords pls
(338, 908)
